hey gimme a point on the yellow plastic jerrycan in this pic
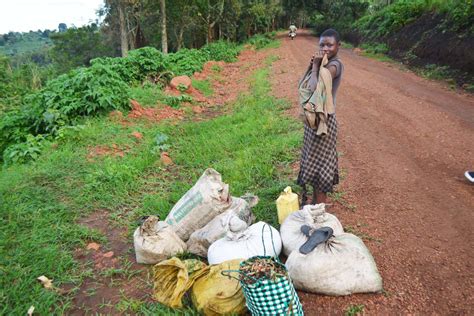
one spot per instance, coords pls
(286, 203)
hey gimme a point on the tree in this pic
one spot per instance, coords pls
(77, 46)
(45, 33)
(62, 27)
(210, 12)
(230, 20)
(122, 23)
(123, 31)
(183, 16)
(164, 34)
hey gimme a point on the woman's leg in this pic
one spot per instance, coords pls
(319, 197)
(304, 196)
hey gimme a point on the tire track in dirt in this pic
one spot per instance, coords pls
(405, 143)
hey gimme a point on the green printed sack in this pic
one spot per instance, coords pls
(208, 198)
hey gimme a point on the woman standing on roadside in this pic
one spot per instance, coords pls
(318, 165)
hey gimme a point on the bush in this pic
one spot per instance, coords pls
(375, 48)
(137, 66)
(27, 150)
(175, 101)
(339, 15)
(81, 92)
(390, 18)
(259, 41)
(222, 50)
(186, 61)
(457, 16)
(460, 15)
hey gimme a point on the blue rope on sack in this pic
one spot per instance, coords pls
(256, 281)
(273, 243)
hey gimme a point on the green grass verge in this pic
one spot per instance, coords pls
(147, 95)
(376, 51)
(347, 45)
(205, 86)
(40, 202)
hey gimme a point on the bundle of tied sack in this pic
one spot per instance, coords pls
(206, 215)
(322, 258)
(207, 221)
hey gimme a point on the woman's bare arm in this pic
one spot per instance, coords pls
(333, 70)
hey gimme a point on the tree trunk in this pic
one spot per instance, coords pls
(209, 34)
(164, 34)
(132, 39)
(123, 32)
(132, 33)
(178, 34)
(210, 25)
(181, 39)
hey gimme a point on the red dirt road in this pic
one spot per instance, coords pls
(405, 144)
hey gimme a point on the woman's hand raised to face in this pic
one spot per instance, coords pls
(316, 59)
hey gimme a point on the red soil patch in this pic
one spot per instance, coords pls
(165, 158)
(208, 69)
(154, 114)
(106, 150)
(116, 115)
(115, 274)
(228, 80)
(137, 135)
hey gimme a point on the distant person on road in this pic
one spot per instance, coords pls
(293, 29)
(319, 165)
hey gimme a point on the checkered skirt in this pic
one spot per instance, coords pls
(272, 297)
(318, 165)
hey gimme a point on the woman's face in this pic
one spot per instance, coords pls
(329, 46)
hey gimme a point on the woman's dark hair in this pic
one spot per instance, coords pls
(331, 33)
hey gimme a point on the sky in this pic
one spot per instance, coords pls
(26, 15)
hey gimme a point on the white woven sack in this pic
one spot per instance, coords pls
(341, 266)
(237, 218)
(314, 216)
(208, 198)
(155, 241)
(246, 244)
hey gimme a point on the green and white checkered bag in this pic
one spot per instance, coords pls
(272, 297)
(267, 296)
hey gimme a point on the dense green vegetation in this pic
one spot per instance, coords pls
(14, 43)
(47, 114)
(435, 37)
(458, 16)
(76, 47)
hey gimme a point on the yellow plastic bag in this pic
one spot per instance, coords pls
(215, 294)
(173, 277)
